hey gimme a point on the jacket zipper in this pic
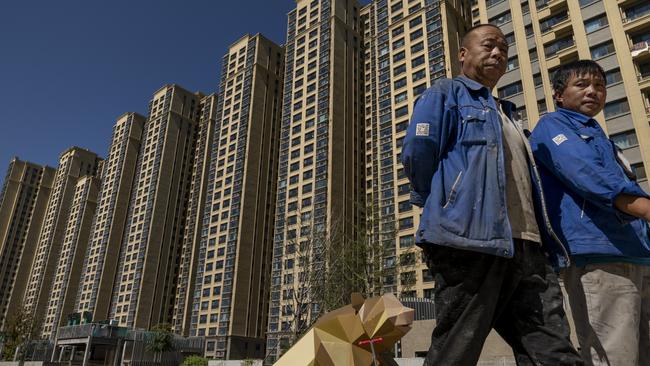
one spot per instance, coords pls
(582, 212)
(547, 222)
(453, 190)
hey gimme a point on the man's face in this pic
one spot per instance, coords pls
(484, 56)
(583, 93)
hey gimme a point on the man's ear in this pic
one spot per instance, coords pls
(461, 54)
(557, 96)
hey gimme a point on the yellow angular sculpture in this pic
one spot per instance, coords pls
(347, 336)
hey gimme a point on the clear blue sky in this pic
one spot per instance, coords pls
(69, 68)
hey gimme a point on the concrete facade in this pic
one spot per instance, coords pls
(147, 272)
(101, 257)
(73, 164)
(228, 258)
(69, 265)
(25, 192)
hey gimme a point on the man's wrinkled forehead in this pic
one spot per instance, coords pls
(484, 33)
(585, 75)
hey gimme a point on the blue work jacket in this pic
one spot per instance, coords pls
(582, 177)
(453, 156)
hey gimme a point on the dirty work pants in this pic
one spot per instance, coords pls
(519, 297)
(610, 305)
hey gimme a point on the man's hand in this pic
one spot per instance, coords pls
(633, 205)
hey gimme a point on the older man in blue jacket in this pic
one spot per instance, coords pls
(472, 171)
(600, 213)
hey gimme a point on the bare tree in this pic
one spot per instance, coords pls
(329, 265)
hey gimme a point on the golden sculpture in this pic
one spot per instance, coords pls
(358, 334)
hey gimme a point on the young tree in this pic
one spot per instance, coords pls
(329, 265)
(162, 340)
(22, 327)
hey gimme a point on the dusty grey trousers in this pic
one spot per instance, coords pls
(519, 297)
(610, 304)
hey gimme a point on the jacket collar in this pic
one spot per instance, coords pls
(469, 83)
(576, 116)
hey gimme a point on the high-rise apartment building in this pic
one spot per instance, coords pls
(147, 271)
(101, 257)
(69, 265)
(546, 33)
(226, 258)
(194, 222)
(25, 192)
(408, 45)
(320, 182)
(73, 164)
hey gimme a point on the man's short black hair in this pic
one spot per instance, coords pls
(581, 67)
(469, 32)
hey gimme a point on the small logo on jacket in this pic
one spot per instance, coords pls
(422, 129)
(559, 139)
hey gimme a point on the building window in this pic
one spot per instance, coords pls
(513, 63)
(404, 206)
(602, 50)
(594, 24)
(406, 223)
(639, 171)
(559, 45)
(616, 108)
(613, 76)
(529, 30)
(417, 61)
(625, 140)
(541, 106)
(584, 3)
(548, 23)
(510, 89)
(501, 19)
(490, 3)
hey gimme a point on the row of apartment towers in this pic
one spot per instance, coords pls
(193, 216)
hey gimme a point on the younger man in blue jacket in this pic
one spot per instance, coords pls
(600, 214)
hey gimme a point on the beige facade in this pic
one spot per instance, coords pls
(69, 265)
(25, 192)
(190, 252)
(147, 272)
(73, 164)
(226, 296)
(408, 45)
(101, 258)
(545, 33)
(320, 190)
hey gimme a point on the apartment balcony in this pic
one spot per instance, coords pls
(547, 7)
(644, 80)
(558, 30)
(636, 17)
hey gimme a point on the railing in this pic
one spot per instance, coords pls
(636, 12)
(95, 330)
(558, 47)
(643, 75)
(546, 25)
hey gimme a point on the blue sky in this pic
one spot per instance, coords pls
(69, 68)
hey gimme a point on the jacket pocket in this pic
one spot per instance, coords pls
(451, 197)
